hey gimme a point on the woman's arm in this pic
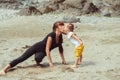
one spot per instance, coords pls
(78, 39)
(61, 51)
(48, 45)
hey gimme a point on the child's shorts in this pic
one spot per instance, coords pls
(79, 50)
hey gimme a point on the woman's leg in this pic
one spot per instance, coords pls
(22, 58)
(26, 55)
(4, 70)
(39, 57)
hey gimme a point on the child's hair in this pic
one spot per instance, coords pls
(70, 26)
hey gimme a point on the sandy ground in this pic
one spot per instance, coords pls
(101, 36)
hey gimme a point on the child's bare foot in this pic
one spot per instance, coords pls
(74, 66)
(2, 72)
(78, 63)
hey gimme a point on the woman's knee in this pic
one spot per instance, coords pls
(37, 59)
(39, 56)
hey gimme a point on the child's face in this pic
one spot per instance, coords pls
(66, 28)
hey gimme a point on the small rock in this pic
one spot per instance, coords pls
(71, 19)
(31, 10)
(15, 49)
(26, 46)
(59, 1)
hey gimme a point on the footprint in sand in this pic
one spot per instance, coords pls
(17, 50)
(1, 53)
(2, 41)
(67, 69)
(5, 48)
(113, 74)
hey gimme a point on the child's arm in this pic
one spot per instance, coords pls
(78, 39)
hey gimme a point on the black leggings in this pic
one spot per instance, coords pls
(38, 56)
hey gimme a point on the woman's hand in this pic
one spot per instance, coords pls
(62, 54)
(48, 45)
(63, 62)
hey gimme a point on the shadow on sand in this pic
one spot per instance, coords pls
(44, 66)
(30, 66)
(83, 64)
(87, 63)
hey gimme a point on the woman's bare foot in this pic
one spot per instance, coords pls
(2, 72)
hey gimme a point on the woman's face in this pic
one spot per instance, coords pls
(61, 28)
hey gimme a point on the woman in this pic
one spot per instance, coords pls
(42, 48)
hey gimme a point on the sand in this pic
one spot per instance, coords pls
(101, 56)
